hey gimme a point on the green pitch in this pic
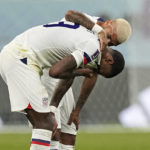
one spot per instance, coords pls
(86, 141)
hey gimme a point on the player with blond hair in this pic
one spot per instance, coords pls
(111, 32)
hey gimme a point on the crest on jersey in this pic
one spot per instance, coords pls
(45, 101)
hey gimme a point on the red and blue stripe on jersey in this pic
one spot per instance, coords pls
(88, 59)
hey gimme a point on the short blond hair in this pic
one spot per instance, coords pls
(123, 29)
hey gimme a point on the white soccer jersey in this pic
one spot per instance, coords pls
(47, 44)
(94, 18)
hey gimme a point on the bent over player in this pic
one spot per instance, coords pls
(67, 106)
(64, 44)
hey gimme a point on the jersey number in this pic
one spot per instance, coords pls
(61, 24)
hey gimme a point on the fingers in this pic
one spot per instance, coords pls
(70, 121)
(103, 40)
(54, 129)
(77, 126)
(75, 121)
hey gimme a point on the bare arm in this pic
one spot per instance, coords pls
(61, 89)
(66, 68)
(86, 89)
(79, 18)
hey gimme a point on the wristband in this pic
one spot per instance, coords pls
(52, 109)
(96, 28)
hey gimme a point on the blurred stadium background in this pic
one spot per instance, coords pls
(118, 101)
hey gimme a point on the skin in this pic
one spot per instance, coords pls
(107, 37)
(86, 88)
(66, 68)
(42, 120)
(111, 31)
(106, 62)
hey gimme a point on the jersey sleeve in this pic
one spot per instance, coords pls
(92, 18)
(63, 19)
(86, 53)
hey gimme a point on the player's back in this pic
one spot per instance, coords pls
(53, 41)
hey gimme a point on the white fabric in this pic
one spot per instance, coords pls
(78, 56)
(24, 84)
(66, 147)
(65, 107)
(43, 47)
(65, 110)
(52, 109)
(48, 45)
(40, 134)
(93, 18)
(54, 145)
(96, 28)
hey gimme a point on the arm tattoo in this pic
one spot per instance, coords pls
(79, 18)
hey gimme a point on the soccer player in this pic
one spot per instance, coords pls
(56, 44)
(111, 33)
(68, 132)
(67, 128)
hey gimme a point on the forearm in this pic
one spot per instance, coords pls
(86, 89)
(77, 72)
(61, 89)
(79, 18)
(66, 68)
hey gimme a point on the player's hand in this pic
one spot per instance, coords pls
(74, 118)
(103, 40)
(53, 123)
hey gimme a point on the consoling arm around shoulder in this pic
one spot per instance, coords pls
(66, 68)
